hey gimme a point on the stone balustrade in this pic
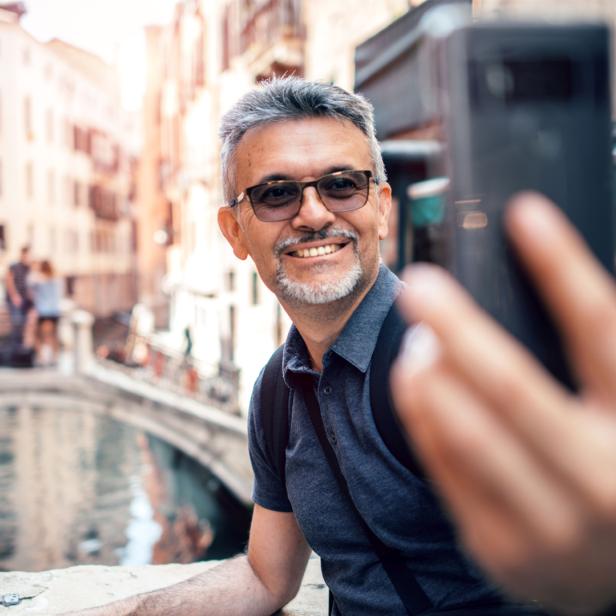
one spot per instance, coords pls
(52, 593)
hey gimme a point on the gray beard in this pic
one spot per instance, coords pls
(319, 293)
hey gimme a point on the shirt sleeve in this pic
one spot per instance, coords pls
(269, 489)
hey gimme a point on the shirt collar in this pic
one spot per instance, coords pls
(357, 340)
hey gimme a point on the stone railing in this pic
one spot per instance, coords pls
(56, 592)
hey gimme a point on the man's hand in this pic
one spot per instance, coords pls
(527, 470)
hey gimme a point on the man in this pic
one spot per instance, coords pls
(17, 296)
(308, 201)
(527, 469)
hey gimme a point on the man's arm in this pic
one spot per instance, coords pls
(254, 585)
(11, 290)
(527, 470)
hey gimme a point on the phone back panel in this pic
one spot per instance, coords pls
(525, 107)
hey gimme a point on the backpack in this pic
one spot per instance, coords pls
(275, 399)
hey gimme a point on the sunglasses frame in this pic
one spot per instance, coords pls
(303, 185)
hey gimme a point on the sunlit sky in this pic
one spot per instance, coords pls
(112, 29)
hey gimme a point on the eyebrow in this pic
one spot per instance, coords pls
(273, 177)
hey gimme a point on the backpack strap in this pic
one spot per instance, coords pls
(385, 417)
(275, 411)
(274, 405)
(407, 588)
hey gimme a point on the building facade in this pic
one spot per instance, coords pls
(66, 174)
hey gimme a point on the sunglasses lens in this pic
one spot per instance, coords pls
(276, 200)
(342, 192)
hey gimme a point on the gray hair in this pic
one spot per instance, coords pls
(292, 98)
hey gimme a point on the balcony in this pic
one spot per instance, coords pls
(104, 204)
(271, 38)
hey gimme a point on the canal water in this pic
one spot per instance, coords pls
(80, 488)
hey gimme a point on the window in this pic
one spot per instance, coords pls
(29, 180)
(27, 111)
(230, 281)
(68, 190)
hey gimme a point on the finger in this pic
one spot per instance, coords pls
(579, 292)
(530, 535)
(476, 463)
(497, 366)
(512, 384)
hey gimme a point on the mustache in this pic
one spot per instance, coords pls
(324, 234)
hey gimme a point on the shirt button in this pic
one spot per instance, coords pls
(327, 390)
(332, 438)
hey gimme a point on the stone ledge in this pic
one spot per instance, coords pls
(78, 588)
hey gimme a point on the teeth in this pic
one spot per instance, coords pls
(317, 252)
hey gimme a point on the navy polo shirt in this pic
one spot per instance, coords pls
(399, 508)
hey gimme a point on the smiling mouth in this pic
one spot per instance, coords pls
(316, 251)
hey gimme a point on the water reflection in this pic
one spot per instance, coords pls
(80, 488)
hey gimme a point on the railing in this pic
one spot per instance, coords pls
(215, 384)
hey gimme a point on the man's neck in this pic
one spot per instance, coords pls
(320, 324)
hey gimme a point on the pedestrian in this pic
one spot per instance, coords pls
(308, 201)
(18, 299)
(46, 292)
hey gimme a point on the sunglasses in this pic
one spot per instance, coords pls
(278, 200)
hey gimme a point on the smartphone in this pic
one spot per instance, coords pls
(523, 107)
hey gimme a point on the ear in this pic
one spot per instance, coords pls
(231, 229)
(384, 207)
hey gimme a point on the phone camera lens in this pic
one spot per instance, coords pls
(499, 80)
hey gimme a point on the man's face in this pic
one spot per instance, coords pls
(347, 243)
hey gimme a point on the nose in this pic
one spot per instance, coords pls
(312, 215)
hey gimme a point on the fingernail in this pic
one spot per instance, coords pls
(420, 348)
(535, 213)
(424, 286)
